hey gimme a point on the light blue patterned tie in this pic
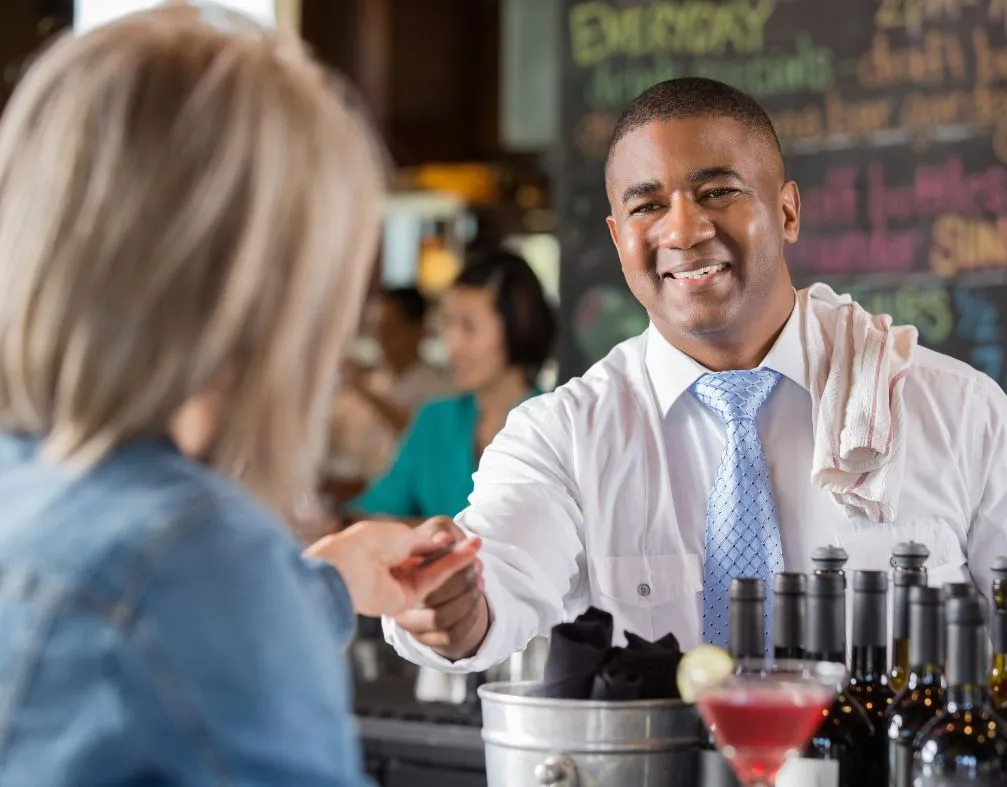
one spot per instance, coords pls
(742, 533)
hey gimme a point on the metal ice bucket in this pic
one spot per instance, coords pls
(532, 741)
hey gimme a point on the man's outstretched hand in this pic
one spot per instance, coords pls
(380, 562)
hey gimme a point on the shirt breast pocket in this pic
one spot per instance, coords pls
(650, 594)
(870, 547)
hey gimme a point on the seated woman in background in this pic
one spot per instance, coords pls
(498, 329)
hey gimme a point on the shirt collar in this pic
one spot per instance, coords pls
(672, 372)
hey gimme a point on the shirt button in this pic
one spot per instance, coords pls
(643, 589)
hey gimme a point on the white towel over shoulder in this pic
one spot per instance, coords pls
(857, 363)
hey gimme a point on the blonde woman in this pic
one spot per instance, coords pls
(183, 197)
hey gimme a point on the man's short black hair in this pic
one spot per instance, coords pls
(409, 301)
(528, 320)
(693, 97)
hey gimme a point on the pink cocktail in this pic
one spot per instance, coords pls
(765, 713)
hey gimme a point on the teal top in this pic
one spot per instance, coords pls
(432, 473)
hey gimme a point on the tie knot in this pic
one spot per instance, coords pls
(736, 396)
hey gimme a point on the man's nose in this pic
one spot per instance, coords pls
(685, 225)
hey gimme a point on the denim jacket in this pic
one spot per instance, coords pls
(157, 627)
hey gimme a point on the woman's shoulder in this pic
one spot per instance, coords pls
(446, 409)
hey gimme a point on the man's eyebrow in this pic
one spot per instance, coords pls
(643, 189)
(709, 173)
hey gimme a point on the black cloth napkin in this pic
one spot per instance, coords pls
(582, 663)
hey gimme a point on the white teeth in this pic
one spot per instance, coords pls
(722, 266)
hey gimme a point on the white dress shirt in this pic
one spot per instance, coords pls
(596, 493)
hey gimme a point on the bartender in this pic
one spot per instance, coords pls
(746, 426)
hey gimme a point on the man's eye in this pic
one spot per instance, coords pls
(647, 207)
(718, 193)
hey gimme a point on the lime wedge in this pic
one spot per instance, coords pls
(704, 665)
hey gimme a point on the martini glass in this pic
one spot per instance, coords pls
(765, 712)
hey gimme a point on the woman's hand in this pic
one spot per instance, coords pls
(380, 563)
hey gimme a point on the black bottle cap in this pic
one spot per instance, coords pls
(965, 610)
(1000, 567)
(965, 621)
(870, 581)
(747, 589)
(951, 590)
(870, 609)
(790, 582)
(747, 623)
(999, 631)
(829, 558)
(909, 554)
(924, 594)
(825, 630)
(789, 590)
(924, 625)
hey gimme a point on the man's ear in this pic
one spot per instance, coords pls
(790, 206)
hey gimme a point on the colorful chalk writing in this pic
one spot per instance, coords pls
(978, 317)
(856, 251)
(958, 78)
(601, 30)
(979, 322)
(911, 15)
(935, 188)
(835, 201)
(962, 243)
(810, 68)
(937, 60)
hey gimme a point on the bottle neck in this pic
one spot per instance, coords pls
(869, 661)
(788, 652)
(964, 697)
(924, 676)
(835, 656)
(746, 632)
(966, 662)
(998, 632)
(900, 655)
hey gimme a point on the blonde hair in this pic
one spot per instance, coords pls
(185, 199)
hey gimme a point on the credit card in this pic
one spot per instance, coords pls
(437, 554)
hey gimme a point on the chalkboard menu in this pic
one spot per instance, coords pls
(893, 118)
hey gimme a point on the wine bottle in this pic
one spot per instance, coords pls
(836, 754)
(746, 638)
(923, 696)
(789, 590)
(949, 590)
(997, 682)
(965, 743)
(869, 665)
(908, 569)
(746, 628)
(1000, 584)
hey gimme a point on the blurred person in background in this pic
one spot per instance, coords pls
(181, 204)
(498, 330)
(376, 404)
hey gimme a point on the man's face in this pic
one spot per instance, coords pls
(700, 216)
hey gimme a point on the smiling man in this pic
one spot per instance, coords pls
(748, 425)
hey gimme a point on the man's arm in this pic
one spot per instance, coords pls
(526, 509)
(987, 538)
